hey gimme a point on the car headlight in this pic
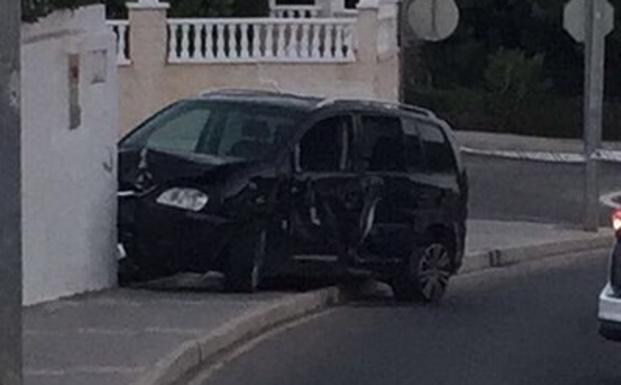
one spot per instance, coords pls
(184, 198)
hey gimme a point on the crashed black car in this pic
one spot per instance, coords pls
(256, 184)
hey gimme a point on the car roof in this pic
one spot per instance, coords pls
(309, 103)
(265, 97)
(386, 106)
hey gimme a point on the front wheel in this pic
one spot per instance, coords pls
(245, 262)
(427, 274)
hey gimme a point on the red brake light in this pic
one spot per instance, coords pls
(616, 220)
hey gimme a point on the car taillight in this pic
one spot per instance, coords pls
(616, 221)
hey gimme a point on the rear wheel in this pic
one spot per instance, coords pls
(245, 262)
(427, 274)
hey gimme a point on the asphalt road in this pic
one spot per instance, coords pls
(533, 191)
(528, 324)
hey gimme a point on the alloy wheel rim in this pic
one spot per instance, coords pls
(434, 272)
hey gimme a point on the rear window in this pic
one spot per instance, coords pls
(382, 144)
(439, 156)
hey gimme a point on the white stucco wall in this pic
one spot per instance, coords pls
(69, 180)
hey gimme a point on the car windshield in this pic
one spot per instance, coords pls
(245, 131)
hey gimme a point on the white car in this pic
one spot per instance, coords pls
(610, 298)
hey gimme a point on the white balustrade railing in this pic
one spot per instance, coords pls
(121, 29)
(260, 40)
(295, 11)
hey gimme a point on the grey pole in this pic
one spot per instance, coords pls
(10, 196)
(403, 46)
(595, 45)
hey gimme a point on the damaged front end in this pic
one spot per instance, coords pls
(179, 213)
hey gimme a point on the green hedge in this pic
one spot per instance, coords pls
(547, 115)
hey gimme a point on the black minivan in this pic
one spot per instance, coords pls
(256, 184)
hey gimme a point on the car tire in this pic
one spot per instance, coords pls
(426, 275)
(243, 272)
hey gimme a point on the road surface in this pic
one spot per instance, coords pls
(528, 324)
(533, 191)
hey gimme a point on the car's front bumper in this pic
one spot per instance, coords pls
(174, 240)
(609, 314)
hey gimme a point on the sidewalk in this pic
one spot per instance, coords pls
(492, 235)
(132, 337)
(497, 244)
(511, 142)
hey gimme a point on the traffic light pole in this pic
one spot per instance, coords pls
(10, 196)
(595, 45)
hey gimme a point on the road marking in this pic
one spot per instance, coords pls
(84, 370)
(608, 200)
(212, 368)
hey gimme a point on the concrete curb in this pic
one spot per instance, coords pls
(509, 256)
(545, 156)
(517, 142)
(192, 354)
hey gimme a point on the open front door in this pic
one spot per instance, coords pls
(391, 194)
(326, 194)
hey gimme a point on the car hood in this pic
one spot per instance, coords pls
(163, 167)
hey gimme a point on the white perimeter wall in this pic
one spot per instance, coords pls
(69, 176)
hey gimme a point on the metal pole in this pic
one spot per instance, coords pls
(10, 196)
(593, 103)
(403, 46)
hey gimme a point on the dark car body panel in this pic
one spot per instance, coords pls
(615, 268)
(307, 213)
(610, 330)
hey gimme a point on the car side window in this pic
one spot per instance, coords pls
(413, 149)
(325, 147)
(247, 137)
(382, 144)
(182, 133)
(439, 157)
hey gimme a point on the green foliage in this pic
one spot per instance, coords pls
(35, 9)
(116, 9)
(512, 81)
(511, 73)
(200, 8)
(511, 67)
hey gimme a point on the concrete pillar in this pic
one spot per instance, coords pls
(377, 59)
(148, 43)
(10, 197)
(327, 7)
(367, 29)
